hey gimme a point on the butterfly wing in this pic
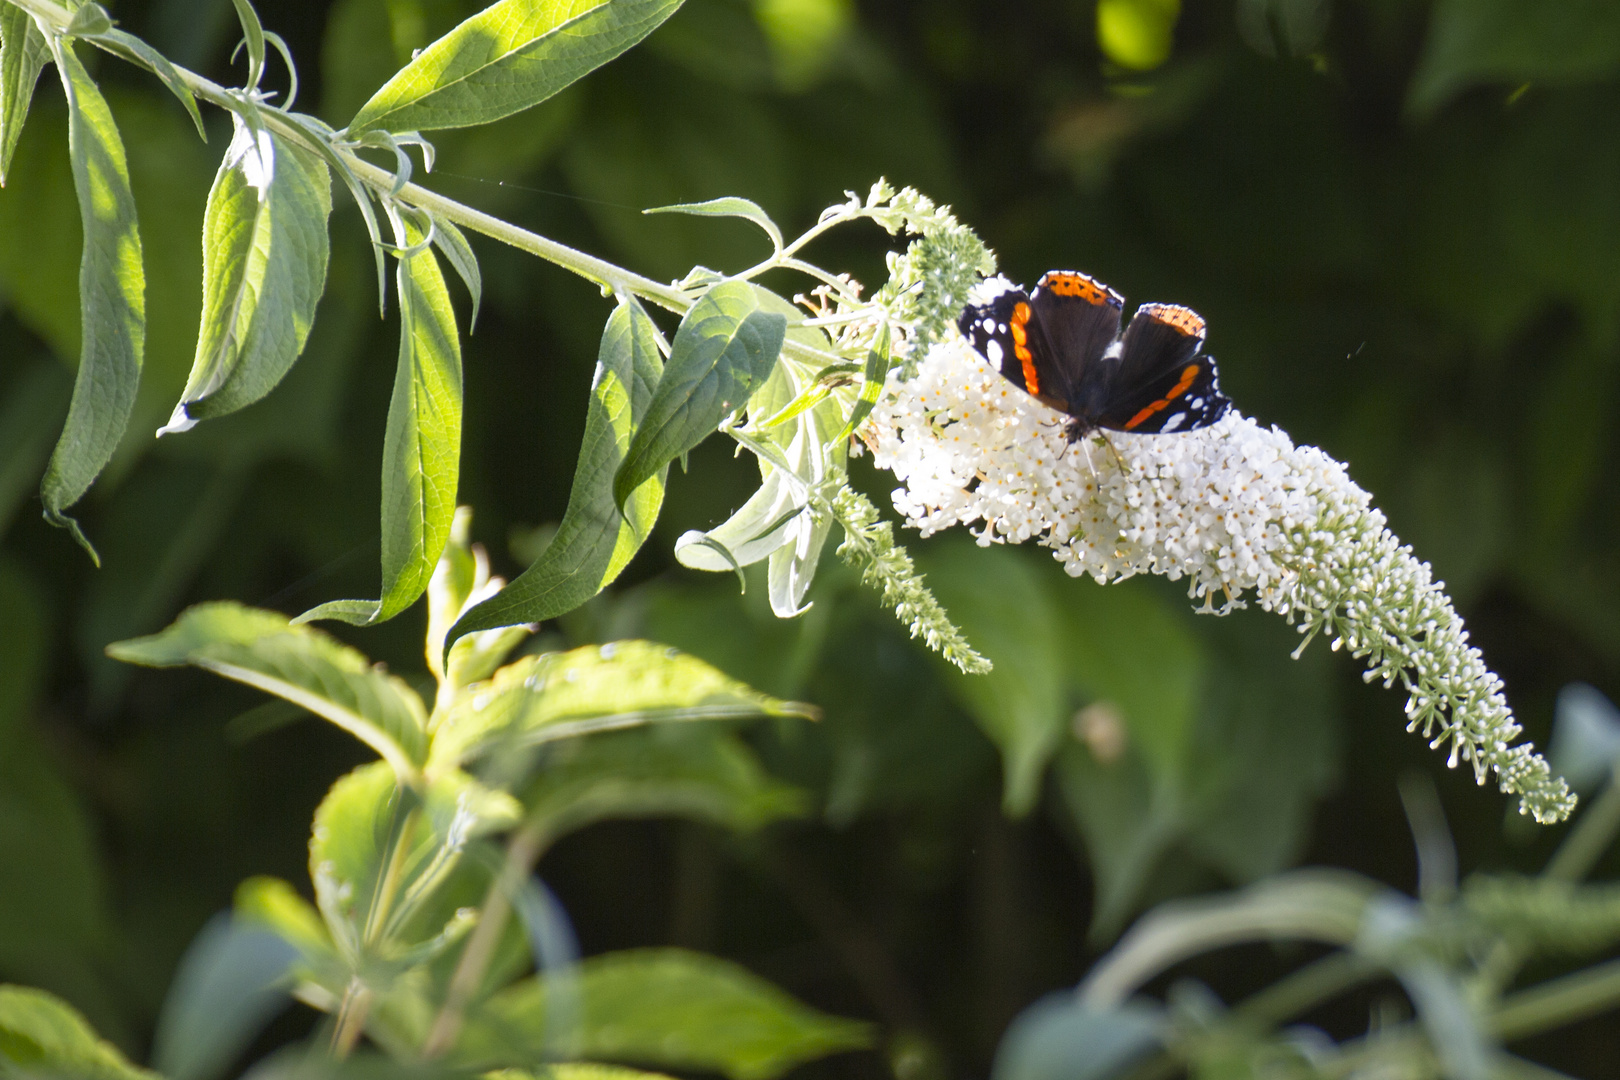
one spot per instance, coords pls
(1163, 382)
(996, 322)
(1076, 319)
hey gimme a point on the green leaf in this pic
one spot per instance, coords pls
(264, 268)
(674, 1008)
(597, 688)
(1058, 1038)
(23, 52)
(112, 289)
(511, 55)
(302, 665)
(139, 52)
(724, 350)
(698, 773)
(595, 541)
(1475, 41)
(42, 1034)
(453, 244)
(275, 905)
(730, 206)
(1137, 34)
(422, 448)
(378, 850)
(1002, 604)
(253, 38)
(231, 981)
(876, 375)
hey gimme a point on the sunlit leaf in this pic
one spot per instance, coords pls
(730, 206)
(297, 663)
(112, 290)
(23, 53)
(422, 448)
(42, 1034)
(597, 688)
(264, 268)
(595, 541)
(673, 1008)
(724, 350)
(511, 55)
(1137, 34)
(371, 833)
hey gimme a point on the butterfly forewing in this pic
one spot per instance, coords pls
(1076, 318)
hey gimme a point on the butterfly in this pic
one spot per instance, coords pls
(1062, 344)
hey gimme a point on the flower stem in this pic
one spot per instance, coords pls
(1591, 835)
(522, 852)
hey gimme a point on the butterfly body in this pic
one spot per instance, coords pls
(1062, 344)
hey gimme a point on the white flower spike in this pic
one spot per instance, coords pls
(1235, 508)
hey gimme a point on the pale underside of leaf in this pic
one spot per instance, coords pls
(724, 350)
(264, 267)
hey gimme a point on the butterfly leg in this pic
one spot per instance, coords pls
(1112, 449)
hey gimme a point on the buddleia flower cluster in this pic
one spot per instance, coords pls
(1236, 509)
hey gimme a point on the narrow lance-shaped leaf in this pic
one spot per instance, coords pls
(23, 52)
(299, 664)
(264, 266)
(877, 373)
(453, 244)
(730, 206)
(137, 51)
(724, 350)
(595, 542)
(422, 447)
(112, 298)
(509, 56)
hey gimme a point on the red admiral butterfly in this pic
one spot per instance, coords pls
(1062, 345)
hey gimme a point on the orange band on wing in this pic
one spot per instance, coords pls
(1069, 283)
(1188, 375)
(1019, 324)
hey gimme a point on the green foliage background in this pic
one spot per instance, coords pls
(1402, 221)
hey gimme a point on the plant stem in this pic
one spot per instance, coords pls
(523, 850)
(1590, 837)
(1304, 989)
(351, 1018)
(1559, 1001)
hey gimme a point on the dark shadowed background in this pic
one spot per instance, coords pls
(1402, 221)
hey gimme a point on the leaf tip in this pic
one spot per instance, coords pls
(62, 521)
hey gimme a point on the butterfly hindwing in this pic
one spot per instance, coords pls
(1164, 383)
